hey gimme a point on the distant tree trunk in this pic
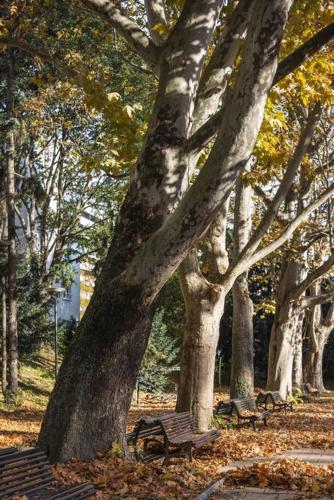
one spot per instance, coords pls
(4, 337)
(11, 261)
(242, 359)
(318, 332)
(297, 375)
(284, 331)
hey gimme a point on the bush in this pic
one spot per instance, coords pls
(160, 357)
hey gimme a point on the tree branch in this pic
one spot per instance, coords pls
(280, 196)
(298, 290)
(316, 300)
(156, 17)
(241, 267)
(306, 50)
(137, 39)
(207, 132)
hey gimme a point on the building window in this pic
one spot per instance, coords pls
(67, 295)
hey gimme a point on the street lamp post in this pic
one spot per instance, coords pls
(54, 292)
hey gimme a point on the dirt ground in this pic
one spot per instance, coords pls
(309, 425)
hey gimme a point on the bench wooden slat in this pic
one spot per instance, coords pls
(29, 473)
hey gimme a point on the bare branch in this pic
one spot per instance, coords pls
(316, 300)
(298, 290)
(240, 267)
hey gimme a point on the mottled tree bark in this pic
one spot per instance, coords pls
(319, 329)
(11, 260)
(283, 332)
(204, 305)
(242, 362)
(297, 370)
(3, 336)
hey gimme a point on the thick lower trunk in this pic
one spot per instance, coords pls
(280, 364)
(242, 367)
(284, 330)
(195, 392)
(204, 357)
(88, 408)
(319, 329)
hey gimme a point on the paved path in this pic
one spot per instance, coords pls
(314, 456)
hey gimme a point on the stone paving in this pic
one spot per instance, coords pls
(314, 456)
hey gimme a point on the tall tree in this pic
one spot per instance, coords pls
(161, 218)
(11, 260)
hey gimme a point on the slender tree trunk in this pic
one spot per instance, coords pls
(316, 379)
(242, 359)
(297, 376)
(11, 262)
(4, 336)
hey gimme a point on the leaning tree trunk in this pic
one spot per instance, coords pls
(242, 359)
(98, 365)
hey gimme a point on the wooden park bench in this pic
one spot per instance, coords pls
(168, 436)
(311, 391)
(28, 474)
(272, 400)
(223, 409)
(247, 412)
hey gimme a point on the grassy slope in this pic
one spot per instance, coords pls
(19, 422)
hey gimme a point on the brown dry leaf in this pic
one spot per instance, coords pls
(307, 426)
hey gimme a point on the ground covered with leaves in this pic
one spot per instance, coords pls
(309, 426)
